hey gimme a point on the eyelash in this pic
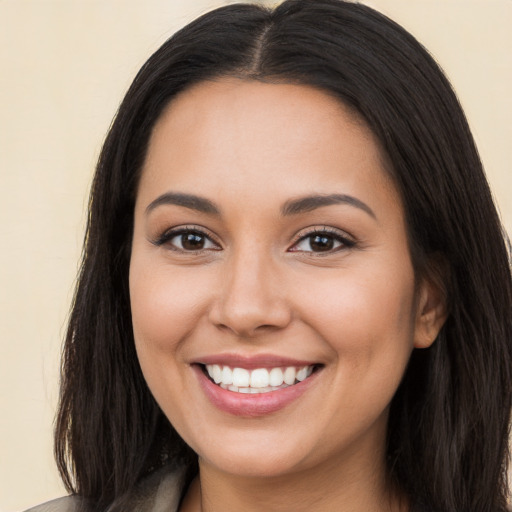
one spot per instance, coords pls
(345, 242)
(168, 235)
(342, 238)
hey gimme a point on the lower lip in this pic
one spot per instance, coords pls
(244, 404)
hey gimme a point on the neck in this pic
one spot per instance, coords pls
(331, 487)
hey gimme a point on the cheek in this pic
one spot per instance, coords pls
(364, 315)
(165, 304)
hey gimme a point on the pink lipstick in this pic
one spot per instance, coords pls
(254, 386)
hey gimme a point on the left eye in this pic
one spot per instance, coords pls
(191, 241)
(321, 242)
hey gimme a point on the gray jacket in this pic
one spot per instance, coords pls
(160, 492)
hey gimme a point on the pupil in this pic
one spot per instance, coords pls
(322, 243)
(192, 241)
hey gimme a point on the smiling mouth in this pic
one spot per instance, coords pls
(259, 380)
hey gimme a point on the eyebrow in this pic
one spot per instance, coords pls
(190, 201)
(309, 203)
(291, 207)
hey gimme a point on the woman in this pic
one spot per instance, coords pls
(295, 291)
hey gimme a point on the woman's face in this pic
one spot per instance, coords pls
(270, 254)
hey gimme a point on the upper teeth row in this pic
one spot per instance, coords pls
(259, 378)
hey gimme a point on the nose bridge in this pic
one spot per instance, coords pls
(251, 298)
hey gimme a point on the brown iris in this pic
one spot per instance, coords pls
(321, 243)
(192, 241)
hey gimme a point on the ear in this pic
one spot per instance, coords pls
(432, 306)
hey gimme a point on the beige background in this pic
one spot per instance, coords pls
(64, 66)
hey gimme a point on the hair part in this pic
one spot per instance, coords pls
(449, 420)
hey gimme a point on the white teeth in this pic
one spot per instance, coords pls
(289, 375)
(241, 377)
(227, 375)
(302, 374)
(260, 380)
(276, 377)
(217, 374)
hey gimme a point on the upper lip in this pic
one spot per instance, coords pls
(253, 361)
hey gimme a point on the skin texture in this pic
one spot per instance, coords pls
(257, 287)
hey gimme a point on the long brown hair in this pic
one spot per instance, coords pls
(447, 440)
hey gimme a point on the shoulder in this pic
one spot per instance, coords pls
(159, 491)
(66, 504)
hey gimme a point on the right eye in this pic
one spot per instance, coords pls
(187, 240)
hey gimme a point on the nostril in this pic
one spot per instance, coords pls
(247, 331)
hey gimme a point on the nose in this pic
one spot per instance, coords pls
(251, 299)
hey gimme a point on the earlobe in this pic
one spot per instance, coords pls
(431, 313)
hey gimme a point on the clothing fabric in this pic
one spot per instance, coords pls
(160, 492)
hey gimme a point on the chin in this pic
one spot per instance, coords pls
(252, 464)
(249, 453)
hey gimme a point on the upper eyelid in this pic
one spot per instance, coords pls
(305, 232)
(346, 241)
(170, 233)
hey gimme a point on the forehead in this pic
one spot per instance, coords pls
(262, 108)
(251, 137)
